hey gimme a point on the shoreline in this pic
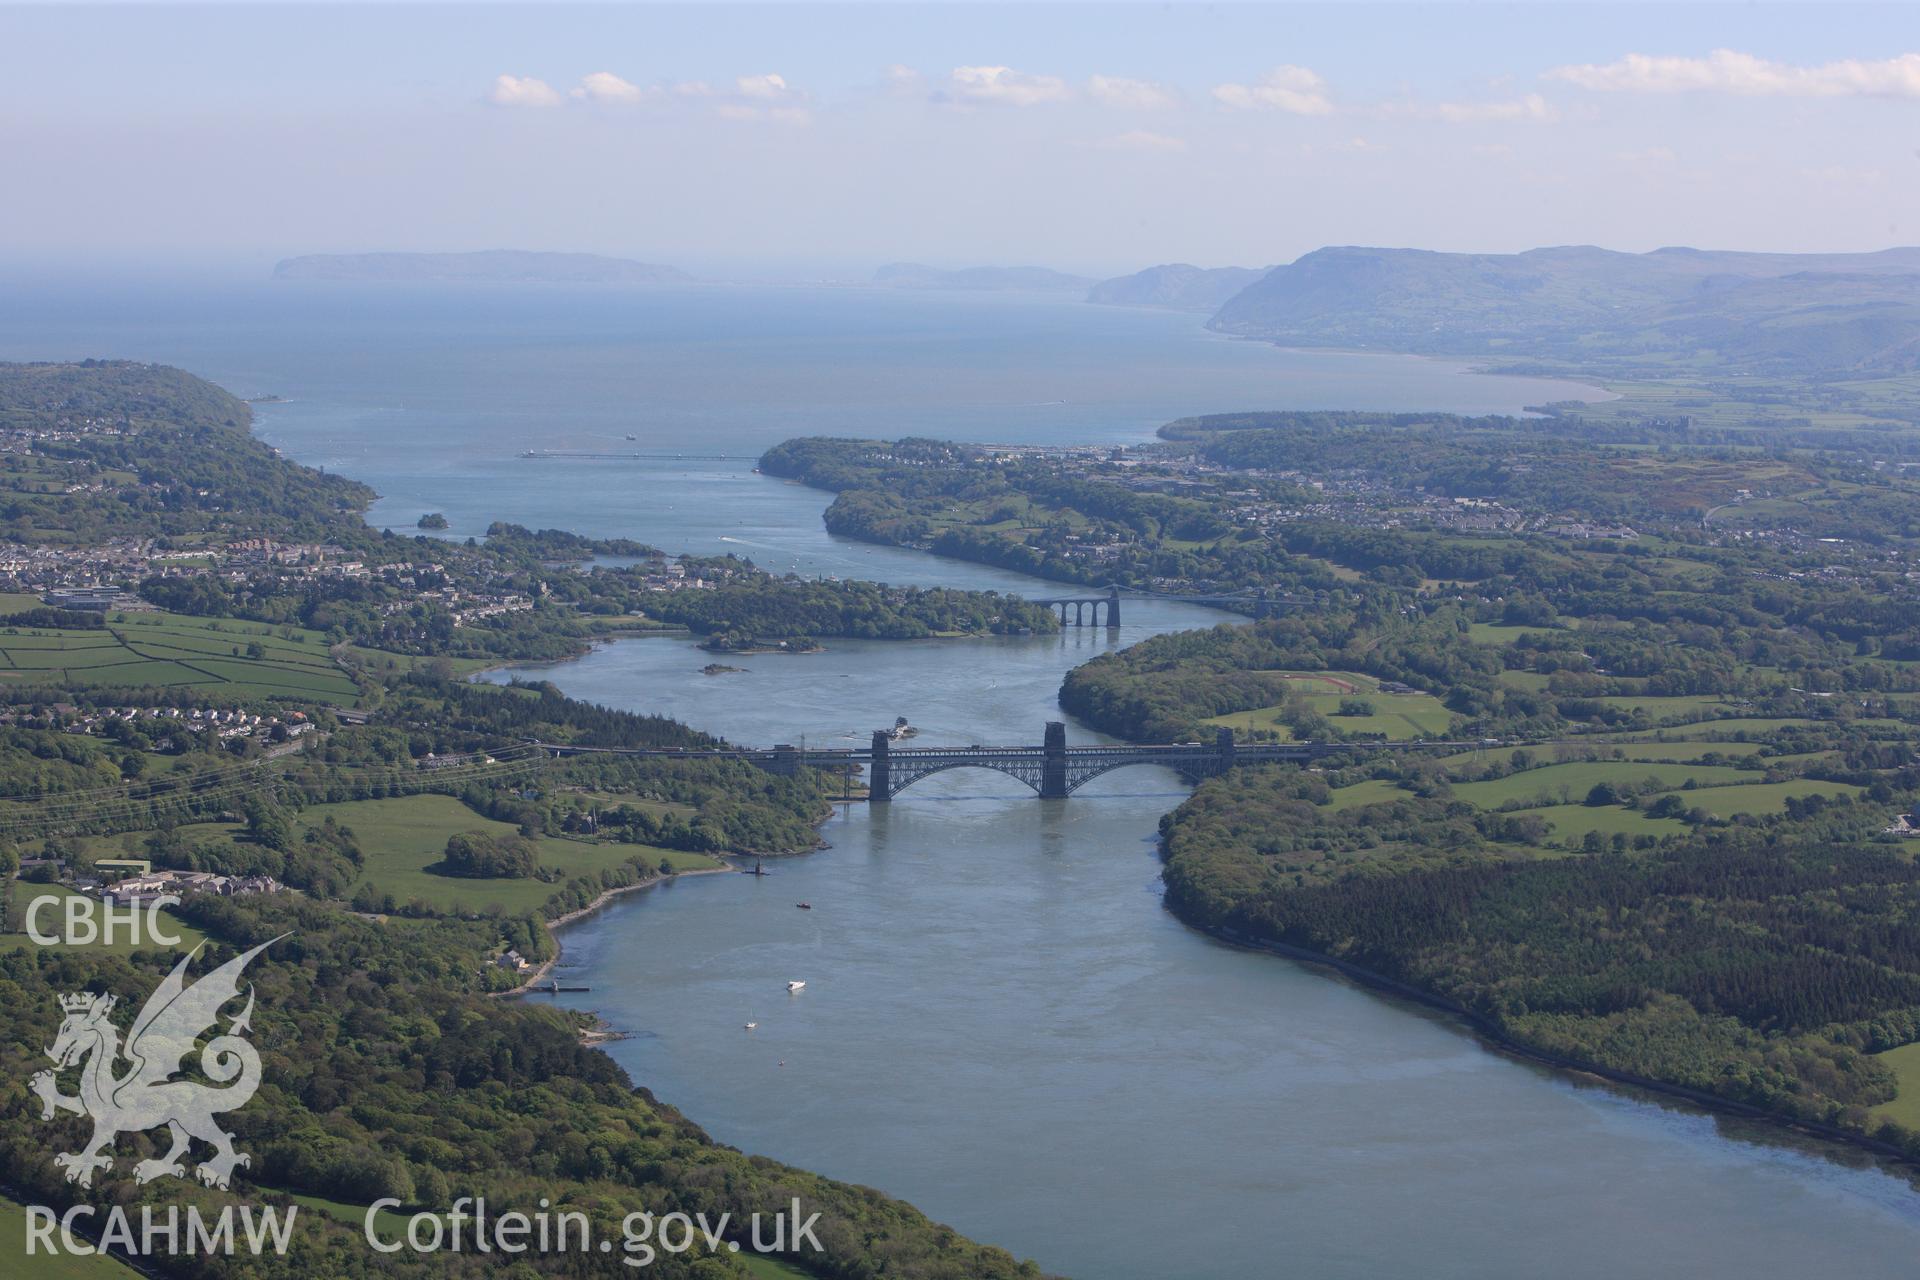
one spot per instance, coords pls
(1494, 1040)
(555, 925)
(1490, 1038)
(1466, 365)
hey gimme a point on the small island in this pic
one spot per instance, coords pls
(721, 669)
(432, 520)
(745, 642)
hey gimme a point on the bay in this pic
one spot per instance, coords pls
(1001, 1022)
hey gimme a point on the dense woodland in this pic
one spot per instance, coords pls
(389, 1074)
(1761, 965)
(1616, 914)
(389, 1070)
(173, 453)
(1590, 600)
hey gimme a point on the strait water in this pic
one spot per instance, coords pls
(1001, 1023)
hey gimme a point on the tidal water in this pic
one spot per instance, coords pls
(1001, 1022)
(433, 395)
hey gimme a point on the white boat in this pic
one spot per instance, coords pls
(751, 1025)
(795, 986)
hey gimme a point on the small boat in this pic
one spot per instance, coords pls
(804, 906)
(751, 1025)
(633, 437)
(794, 986)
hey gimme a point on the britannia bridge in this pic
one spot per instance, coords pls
(1104, 610)
(1053, 769)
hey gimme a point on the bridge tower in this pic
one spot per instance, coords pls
(1223, 743)
(879, 770)
(1113, 605)
(1053, 762)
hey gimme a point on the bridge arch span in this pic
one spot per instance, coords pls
(1079, 775)
(901, 778)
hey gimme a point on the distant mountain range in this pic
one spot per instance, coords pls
(1176, 286)
(1826, 314)
(914, 275)
(1578, 307)
(501, 266)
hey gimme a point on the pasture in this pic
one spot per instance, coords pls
(1904, 1109)
(51, 917)
(237, 661)
(1395, 715)
(1569, 783)
(1572, 822)
(1762, 797)
(57, 1266)
(403, 836)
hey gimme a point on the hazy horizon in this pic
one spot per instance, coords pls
(806, 141)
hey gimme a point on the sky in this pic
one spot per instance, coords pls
(811, 141)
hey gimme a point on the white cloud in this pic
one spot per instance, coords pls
(748, 111)
(606, 87)
(764, 97)
(1725, 71)
(692, 89)
(763, 87)
(1296, 90)
(522, 91)
(1651, 157)
(1007, 86)
(1141, 140)
(1531, 107)
(1118, 91)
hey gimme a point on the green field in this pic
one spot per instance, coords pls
(52, 918)
(1396, 715)
(1573, 821)
(1372, 791)
(1751, 725)
(1721, 790)
(1569, 783)
(403, 836)
(1688, 750)
(391, 1224)
(1669, 710)
(59, 1266)
(1761, 797)
(1497, 633)
(1905, 1107)
(221, 656)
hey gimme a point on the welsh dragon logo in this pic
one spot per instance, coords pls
(145, 1094)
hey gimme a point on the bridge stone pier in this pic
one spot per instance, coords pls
(1084, 611)
(1053, 769)
(1053, 762)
